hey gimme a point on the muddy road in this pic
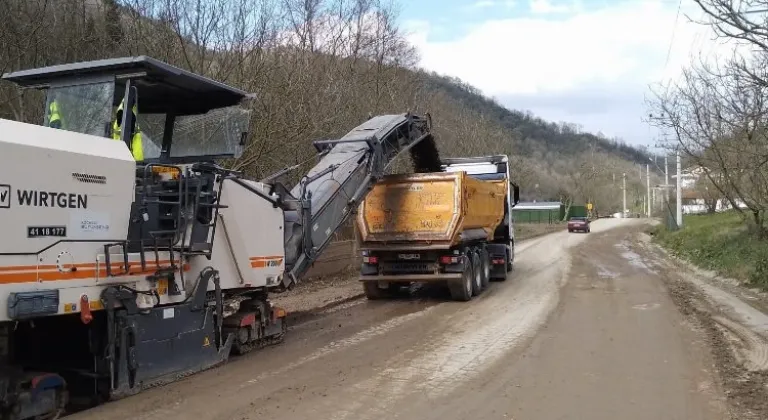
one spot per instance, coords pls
(588, 326)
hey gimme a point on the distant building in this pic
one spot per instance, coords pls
(694, 201)
(538, 212)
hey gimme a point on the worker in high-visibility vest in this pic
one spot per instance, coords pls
(136, 145)
(54, 116)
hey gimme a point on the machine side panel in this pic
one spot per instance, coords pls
(70, 270)
(57, 186)
(248, 246)
(63, 196)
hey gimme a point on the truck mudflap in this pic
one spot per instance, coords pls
(501, 258)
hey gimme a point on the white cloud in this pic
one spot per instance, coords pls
(546, 7)
(481, 4)
(528, 55)
(623, 47)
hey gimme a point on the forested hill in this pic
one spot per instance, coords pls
(531, 131)
(318, 69)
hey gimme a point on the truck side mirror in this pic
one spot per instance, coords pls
(516, 194)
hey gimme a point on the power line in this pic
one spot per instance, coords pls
(672, 38)
(669, 48)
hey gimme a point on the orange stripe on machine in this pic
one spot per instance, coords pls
(78, 271)
(263, 262)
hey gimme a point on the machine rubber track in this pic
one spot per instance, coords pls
(242, 349)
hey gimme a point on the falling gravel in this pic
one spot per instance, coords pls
(425, 156)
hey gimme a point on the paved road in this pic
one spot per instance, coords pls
(584, 328)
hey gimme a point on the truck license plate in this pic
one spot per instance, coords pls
(408, 256)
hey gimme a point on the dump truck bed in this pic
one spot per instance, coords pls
(434, 210)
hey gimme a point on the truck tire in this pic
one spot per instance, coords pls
(510, 259)
(485, 263)
(461, 289)
(372, 290)
(477, 273)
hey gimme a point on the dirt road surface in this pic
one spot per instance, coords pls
(588, 326)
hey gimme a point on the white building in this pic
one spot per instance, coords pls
(693, 202)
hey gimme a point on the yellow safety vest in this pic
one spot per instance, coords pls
(54, 117)
(136, 146)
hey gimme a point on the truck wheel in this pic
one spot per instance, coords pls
(477, 274)
(461, 289)
(372, 290)
(485, 263)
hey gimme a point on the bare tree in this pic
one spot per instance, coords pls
(718, 117)
(739, 20)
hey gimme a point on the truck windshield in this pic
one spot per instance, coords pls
(485, 172)
(84, 108)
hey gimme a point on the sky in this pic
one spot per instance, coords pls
(589, 62)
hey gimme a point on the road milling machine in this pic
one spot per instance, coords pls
(116, 274)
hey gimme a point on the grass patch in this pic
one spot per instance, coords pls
(532, 230)
(719, 242)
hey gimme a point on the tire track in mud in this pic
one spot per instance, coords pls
(745, 391)
(750, 349)
(740, 354)
(335, 346)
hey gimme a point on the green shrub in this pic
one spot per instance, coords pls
(719, 242)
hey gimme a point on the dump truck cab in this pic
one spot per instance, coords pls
(491, 168)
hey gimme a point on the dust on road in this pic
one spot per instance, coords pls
(584, 328)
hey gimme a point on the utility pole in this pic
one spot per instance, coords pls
(624, 189)
(648, 185)
(666, 178)
(679, 193)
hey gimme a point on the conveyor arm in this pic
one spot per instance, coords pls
(332, 190)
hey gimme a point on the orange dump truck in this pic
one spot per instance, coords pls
(453, 226)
